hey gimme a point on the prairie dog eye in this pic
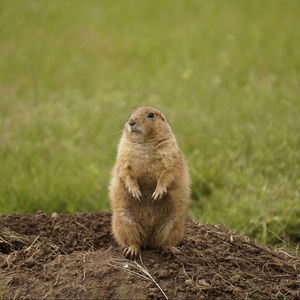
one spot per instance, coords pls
(151, 115)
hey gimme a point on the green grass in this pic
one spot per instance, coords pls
(226, 73)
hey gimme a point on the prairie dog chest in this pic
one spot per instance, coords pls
(146, 162)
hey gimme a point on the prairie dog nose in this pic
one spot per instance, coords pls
(131, 122)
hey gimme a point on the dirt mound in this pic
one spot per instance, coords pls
(75, 256)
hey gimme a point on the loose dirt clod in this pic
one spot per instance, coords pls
(74, 256)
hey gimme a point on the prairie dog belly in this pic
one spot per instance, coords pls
(151, 216)
(147, 171)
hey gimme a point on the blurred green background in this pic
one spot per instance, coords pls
(226, 73)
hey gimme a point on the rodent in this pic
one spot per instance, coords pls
(150, 185)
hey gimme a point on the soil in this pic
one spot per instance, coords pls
(74, 256)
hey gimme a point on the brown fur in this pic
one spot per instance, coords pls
(149, 189)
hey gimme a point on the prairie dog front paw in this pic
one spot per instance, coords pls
(135, 192)
(159, 192)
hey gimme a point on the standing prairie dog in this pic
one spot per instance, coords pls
(150, 186)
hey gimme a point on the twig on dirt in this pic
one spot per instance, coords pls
(120, 265)
(56, 248)
(143, 269)
(13, 239)
(139, 270)
(226, 281)
(7, 261)
(3, 241)
(17, 292)
(5, 280)
(31, 245)
(84, 267)
(56, 280)
(185, 273)
(50, 291)
(262, 248)
(79, 224)
(193, 281)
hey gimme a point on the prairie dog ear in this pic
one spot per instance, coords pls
(161, 116)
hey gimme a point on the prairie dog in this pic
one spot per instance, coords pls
(150, 187)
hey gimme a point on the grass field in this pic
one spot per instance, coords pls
(226, 73)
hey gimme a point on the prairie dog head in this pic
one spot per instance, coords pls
(146, 124)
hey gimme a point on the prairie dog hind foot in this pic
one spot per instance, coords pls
(132, 251)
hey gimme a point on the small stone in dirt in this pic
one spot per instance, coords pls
(54, 215)
(235, 278)
(174, 266)
(181, 288)
(30, 262)
(163, 274)
(153, 290)
(189, 282)
(203, 282)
